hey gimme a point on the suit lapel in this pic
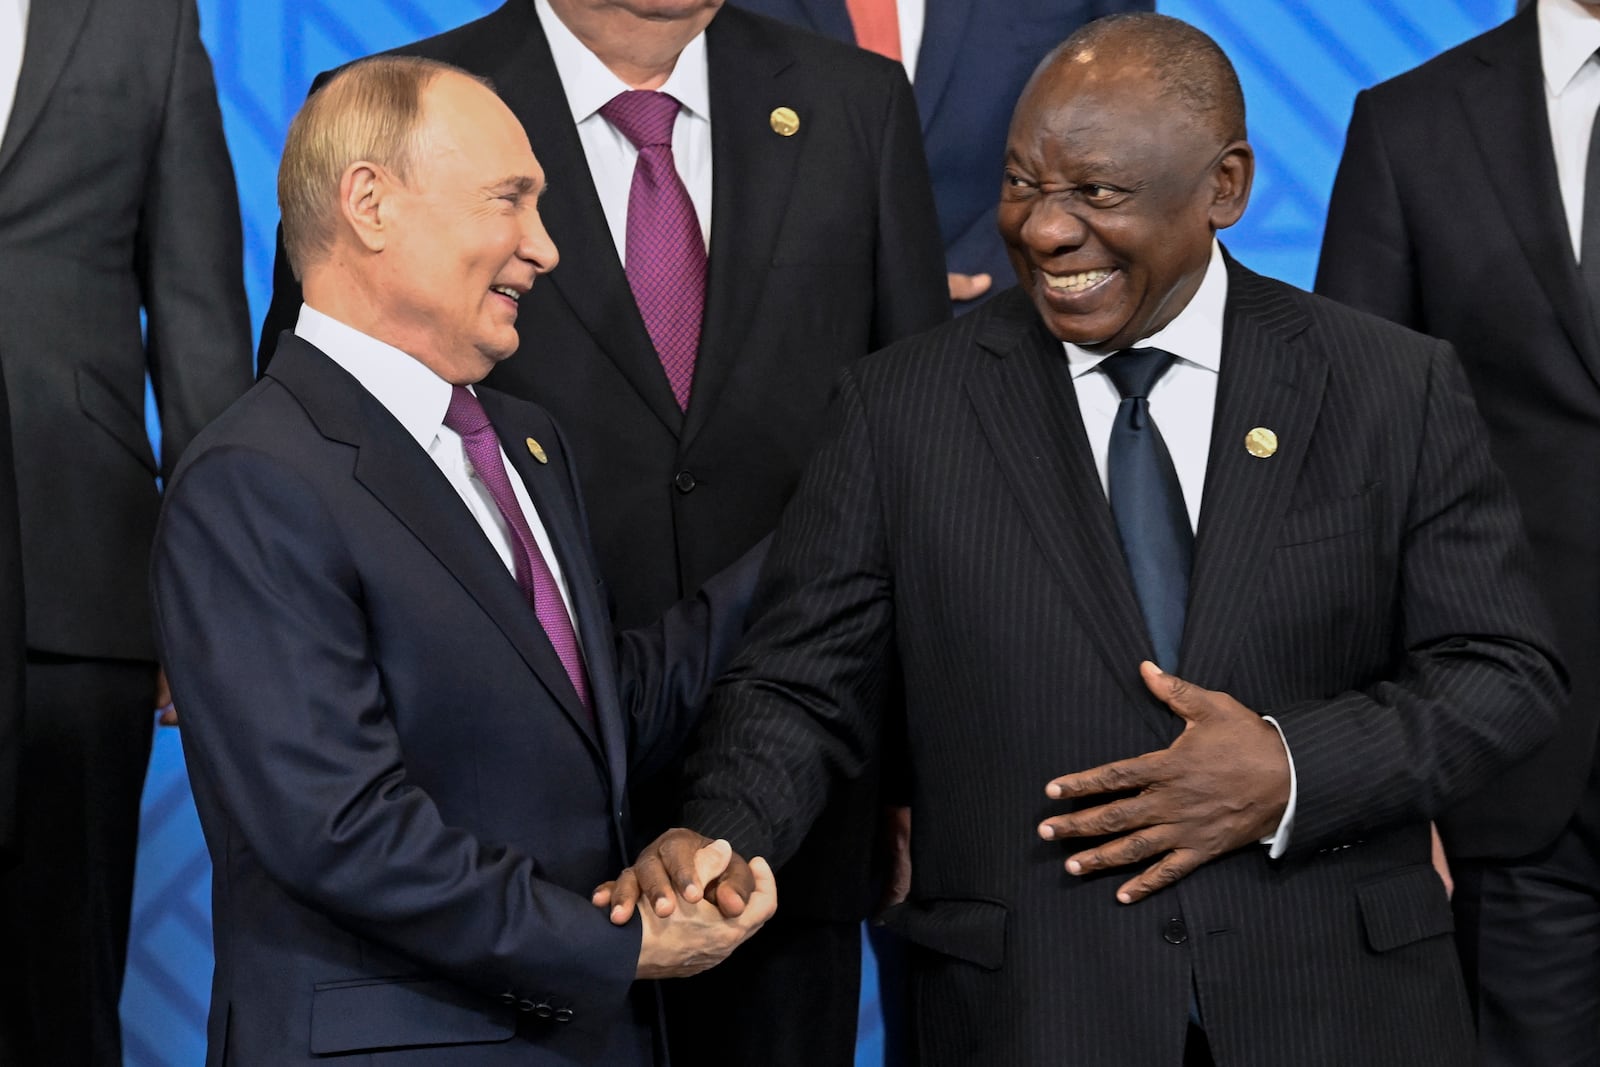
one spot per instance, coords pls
(53, 26)
(590, 278)
(1028, 410)
(943, 31)
(1506, 111)
(547, 488)
(752, 170)
(1270, 377)
(402, 478)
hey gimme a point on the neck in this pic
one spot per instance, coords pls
(641, 52)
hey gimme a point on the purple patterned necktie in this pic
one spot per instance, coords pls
(466, 417)
(666, 252)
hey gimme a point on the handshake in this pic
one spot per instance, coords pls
(704, 901)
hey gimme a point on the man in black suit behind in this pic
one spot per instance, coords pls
(121, 249)
(1298, 520)
(803, 160)
(1467, 206)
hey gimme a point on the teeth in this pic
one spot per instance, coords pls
(506, 290)
(1075, 283)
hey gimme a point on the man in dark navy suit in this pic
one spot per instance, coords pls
(409, 724)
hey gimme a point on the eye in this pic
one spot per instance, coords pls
(1015, 184)
(1101, 195)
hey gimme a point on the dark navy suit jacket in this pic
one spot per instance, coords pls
(405, 804)
(971, 66)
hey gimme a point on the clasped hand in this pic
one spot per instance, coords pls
(1223, 784)
(704, 902)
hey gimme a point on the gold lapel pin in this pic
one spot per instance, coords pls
(785, 123)
(1261, 442)
(537, 451)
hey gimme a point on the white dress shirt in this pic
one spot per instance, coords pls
(418, 399)
(1569, 34)
(1182, 405)
(589, 85)
(13, 35)
(911, 14)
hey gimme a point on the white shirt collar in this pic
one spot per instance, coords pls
(590, 84)
(1569, 34)
(413, 394)
(1194, 336)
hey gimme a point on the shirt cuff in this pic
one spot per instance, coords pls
(1277, 842)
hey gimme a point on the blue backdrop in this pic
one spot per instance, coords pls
(1301, 62)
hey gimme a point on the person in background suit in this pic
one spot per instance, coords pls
(1146, 454)
(1467, 206)
(967, 62)
(11, 643)
(796, 166)
(121, 245)
(409, 724)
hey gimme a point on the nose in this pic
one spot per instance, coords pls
(1053, 227)
(536, 246)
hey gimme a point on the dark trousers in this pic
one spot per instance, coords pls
(786, 998)
(1529, 936)
(64, 907)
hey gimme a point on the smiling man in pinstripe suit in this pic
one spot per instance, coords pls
(1299, 520)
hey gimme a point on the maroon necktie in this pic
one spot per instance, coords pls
(666, 253)
(466, 417)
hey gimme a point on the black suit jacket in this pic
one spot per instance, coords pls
(405, 804)
(1446, 217)
(1368, 585)
(11, 642)
(972, 63)
(824, 246)
(116, 197)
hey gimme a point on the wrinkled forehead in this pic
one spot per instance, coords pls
(1087, 110)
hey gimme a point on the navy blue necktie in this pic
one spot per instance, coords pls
(1147, 502)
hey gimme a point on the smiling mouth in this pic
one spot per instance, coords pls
(506, 291)
(1078, 282)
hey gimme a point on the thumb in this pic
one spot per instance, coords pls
(1187, 700)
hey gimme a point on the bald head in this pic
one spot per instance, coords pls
(1187, 66)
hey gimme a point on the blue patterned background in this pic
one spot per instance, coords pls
(1301, 62)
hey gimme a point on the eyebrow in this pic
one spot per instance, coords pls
(520, 183)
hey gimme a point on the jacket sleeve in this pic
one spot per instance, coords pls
(190, 255)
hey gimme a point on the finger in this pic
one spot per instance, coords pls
(624, 897)
(655, 884)
(735, 887)
(968, 286)
(1189, 701)
(1131, 813)
(1138, 847)
(680, 858)
(169, 716)
(601, 897)
(1176, 865)
(764, 896)
(1119, 777)
(710, 861)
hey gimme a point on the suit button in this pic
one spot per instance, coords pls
(525, 1006)
(543, 1011)
(685, 482)
(508, 997)
(1175, 933)
(563, 1015)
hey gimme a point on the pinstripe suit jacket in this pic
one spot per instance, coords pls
(1368, 584)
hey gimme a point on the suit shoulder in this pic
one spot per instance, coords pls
(1354, 339)
(1419, 90)
(947, 352)
(473, 45)
(833, 62)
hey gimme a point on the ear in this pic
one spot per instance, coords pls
(364, 190)
(1235, 169)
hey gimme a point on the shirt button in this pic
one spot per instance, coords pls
(684, 482)
(1175, 932)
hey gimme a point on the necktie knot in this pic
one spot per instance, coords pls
(1135, 371)
(465, 415)
(644, 117)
